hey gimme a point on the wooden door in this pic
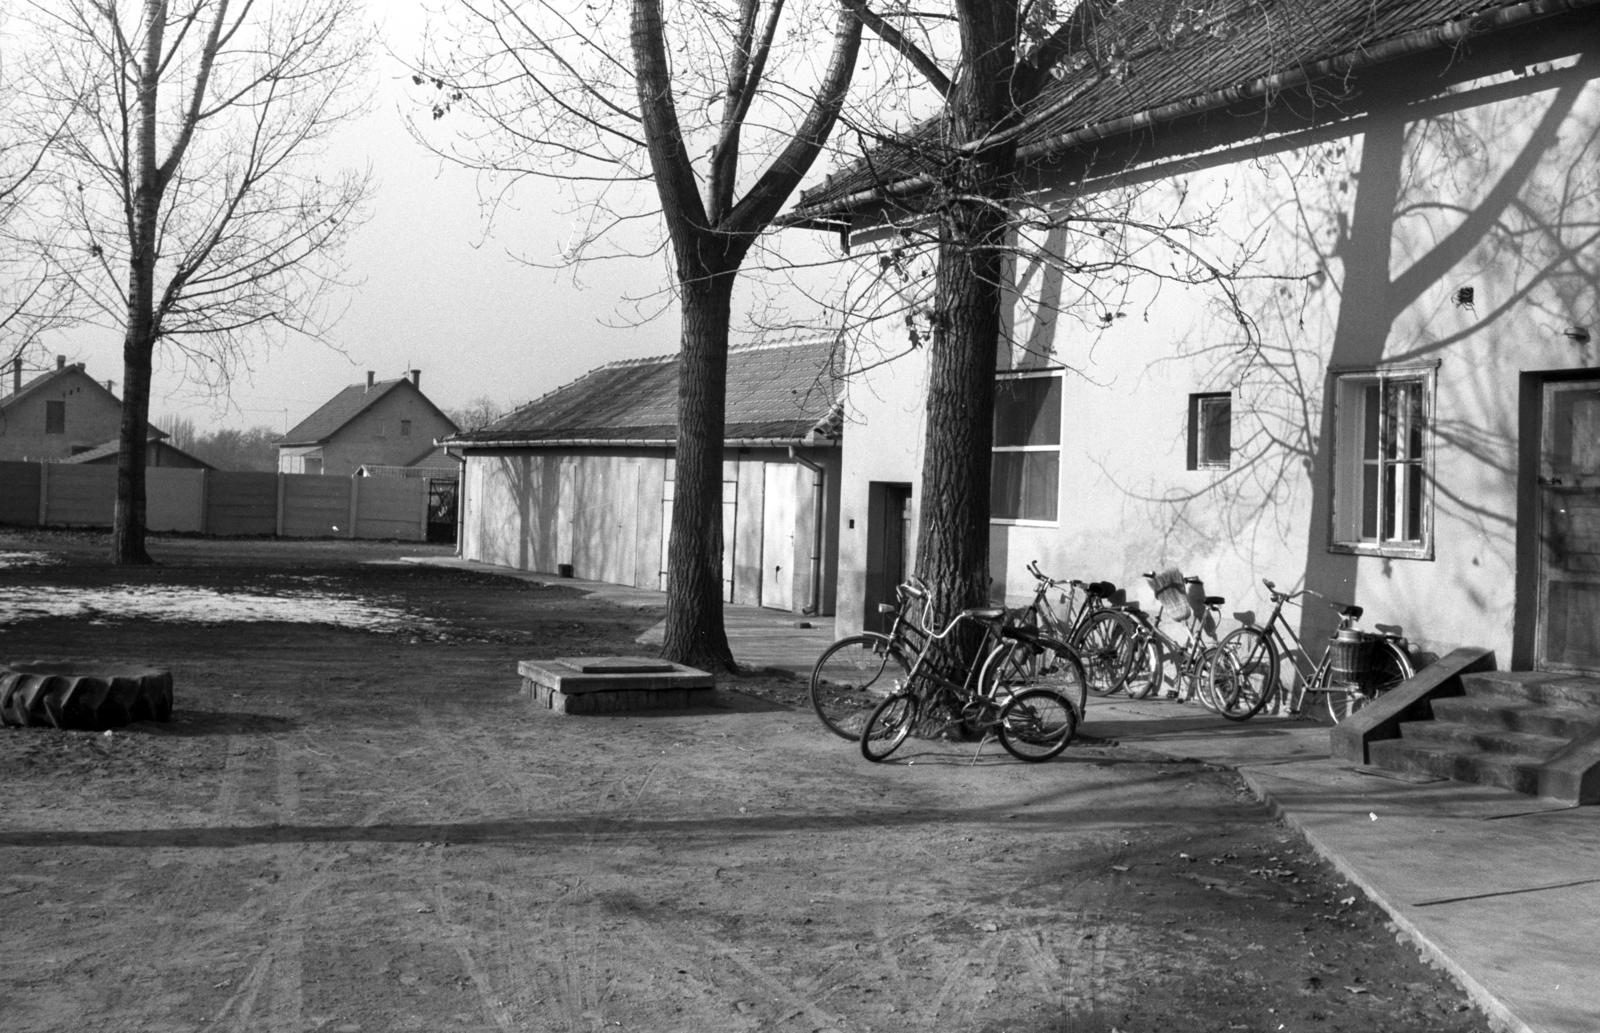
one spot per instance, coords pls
(566, 511)
(1569, 527)
(730, 523)
(777, 536)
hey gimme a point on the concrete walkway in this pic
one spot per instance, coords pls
(1502, 890)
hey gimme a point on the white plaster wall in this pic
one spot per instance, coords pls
(1503, 198)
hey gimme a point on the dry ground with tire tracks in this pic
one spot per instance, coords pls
(365, 828)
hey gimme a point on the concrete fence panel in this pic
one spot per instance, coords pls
(174, 499)
(241, 503)
(314, 506)
(19, 493)
(79, 495)
(391, 507)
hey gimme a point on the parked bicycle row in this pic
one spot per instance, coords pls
(973, 672)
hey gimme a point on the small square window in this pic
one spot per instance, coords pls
(1210, 431)
(378, 429)
(405, 428)
(55, 417)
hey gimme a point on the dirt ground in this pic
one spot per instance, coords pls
(369, 829)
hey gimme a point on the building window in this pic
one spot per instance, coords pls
(405, 428)
(378, 429)
(55, 417)
(1382, 454)
(1027, 447)
(1210, 431)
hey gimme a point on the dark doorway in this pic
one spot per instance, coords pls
(1568, 635)
(888, 547)
(442, 499)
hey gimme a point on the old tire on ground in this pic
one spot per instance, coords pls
(86, 696)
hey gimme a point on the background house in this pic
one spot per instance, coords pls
(157, 452)
(584, 476)
(1412, 427)
(381, 423)
(58, 414)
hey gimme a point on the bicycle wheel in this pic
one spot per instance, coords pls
(851, 678)
(888, 726)
(1251, 679)
(1148, 668)
(1105, 646)
(1037, 724)
(1040, 663)
(1390, 667)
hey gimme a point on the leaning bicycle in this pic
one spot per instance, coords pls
(1160, 657)
(1015, 685)
(854, 674)
(1356, 667)
(1097, 630)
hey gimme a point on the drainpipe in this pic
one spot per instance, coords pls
(817, 478)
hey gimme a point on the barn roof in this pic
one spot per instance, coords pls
(1160, 60)
(775, 392)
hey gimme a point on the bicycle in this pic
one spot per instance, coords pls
(1016, 685)
(853, 675)
(1153, 648)
(1356, 666)
(1102, 636)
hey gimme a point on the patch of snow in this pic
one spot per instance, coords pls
(27, 559)
(204, 606)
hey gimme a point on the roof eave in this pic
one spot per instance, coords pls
(828, 215)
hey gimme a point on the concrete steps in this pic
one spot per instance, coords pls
(1520, 730)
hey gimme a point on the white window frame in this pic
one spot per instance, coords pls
(1349, 398)
(1034, 374)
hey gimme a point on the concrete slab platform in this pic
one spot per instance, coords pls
(613, 684)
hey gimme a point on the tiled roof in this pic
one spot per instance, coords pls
(1154, 54)
(338, 411)
(774, 391)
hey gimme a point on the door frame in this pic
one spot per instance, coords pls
(1530, 546)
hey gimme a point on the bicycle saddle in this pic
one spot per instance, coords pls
(887, 608)
(984, 613)
(1353, 612)
(1101, 588)
(1215, 600)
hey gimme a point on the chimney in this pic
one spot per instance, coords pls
(369, 380)
(111, 385)
(61, 362)
(16, 376)
(416, 379)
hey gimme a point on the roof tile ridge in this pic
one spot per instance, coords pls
(794, 342)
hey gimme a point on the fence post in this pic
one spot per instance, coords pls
(427, 495)
(280, 505)
(44, 492)
(355, 502)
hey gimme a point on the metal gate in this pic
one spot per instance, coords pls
(443, 498)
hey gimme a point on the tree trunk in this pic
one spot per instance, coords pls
(953, 530)
(138, 345)
(694, 633)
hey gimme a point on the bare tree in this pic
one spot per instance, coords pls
(34, 298)
(679, 99)
(196, 216)
(968, 231)
(476, 414)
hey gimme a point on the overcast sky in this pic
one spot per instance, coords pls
(436, 295)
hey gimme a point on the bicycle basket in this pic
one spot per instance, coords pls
(1350, 655)
(1171, 593)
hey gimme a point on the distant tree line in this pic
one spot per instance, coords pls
(255, 449)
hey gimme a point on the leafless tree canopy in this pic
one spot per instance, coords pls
(193, 211)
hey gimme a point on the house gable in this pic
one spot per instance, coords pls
(387, 423)
(58, 414)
